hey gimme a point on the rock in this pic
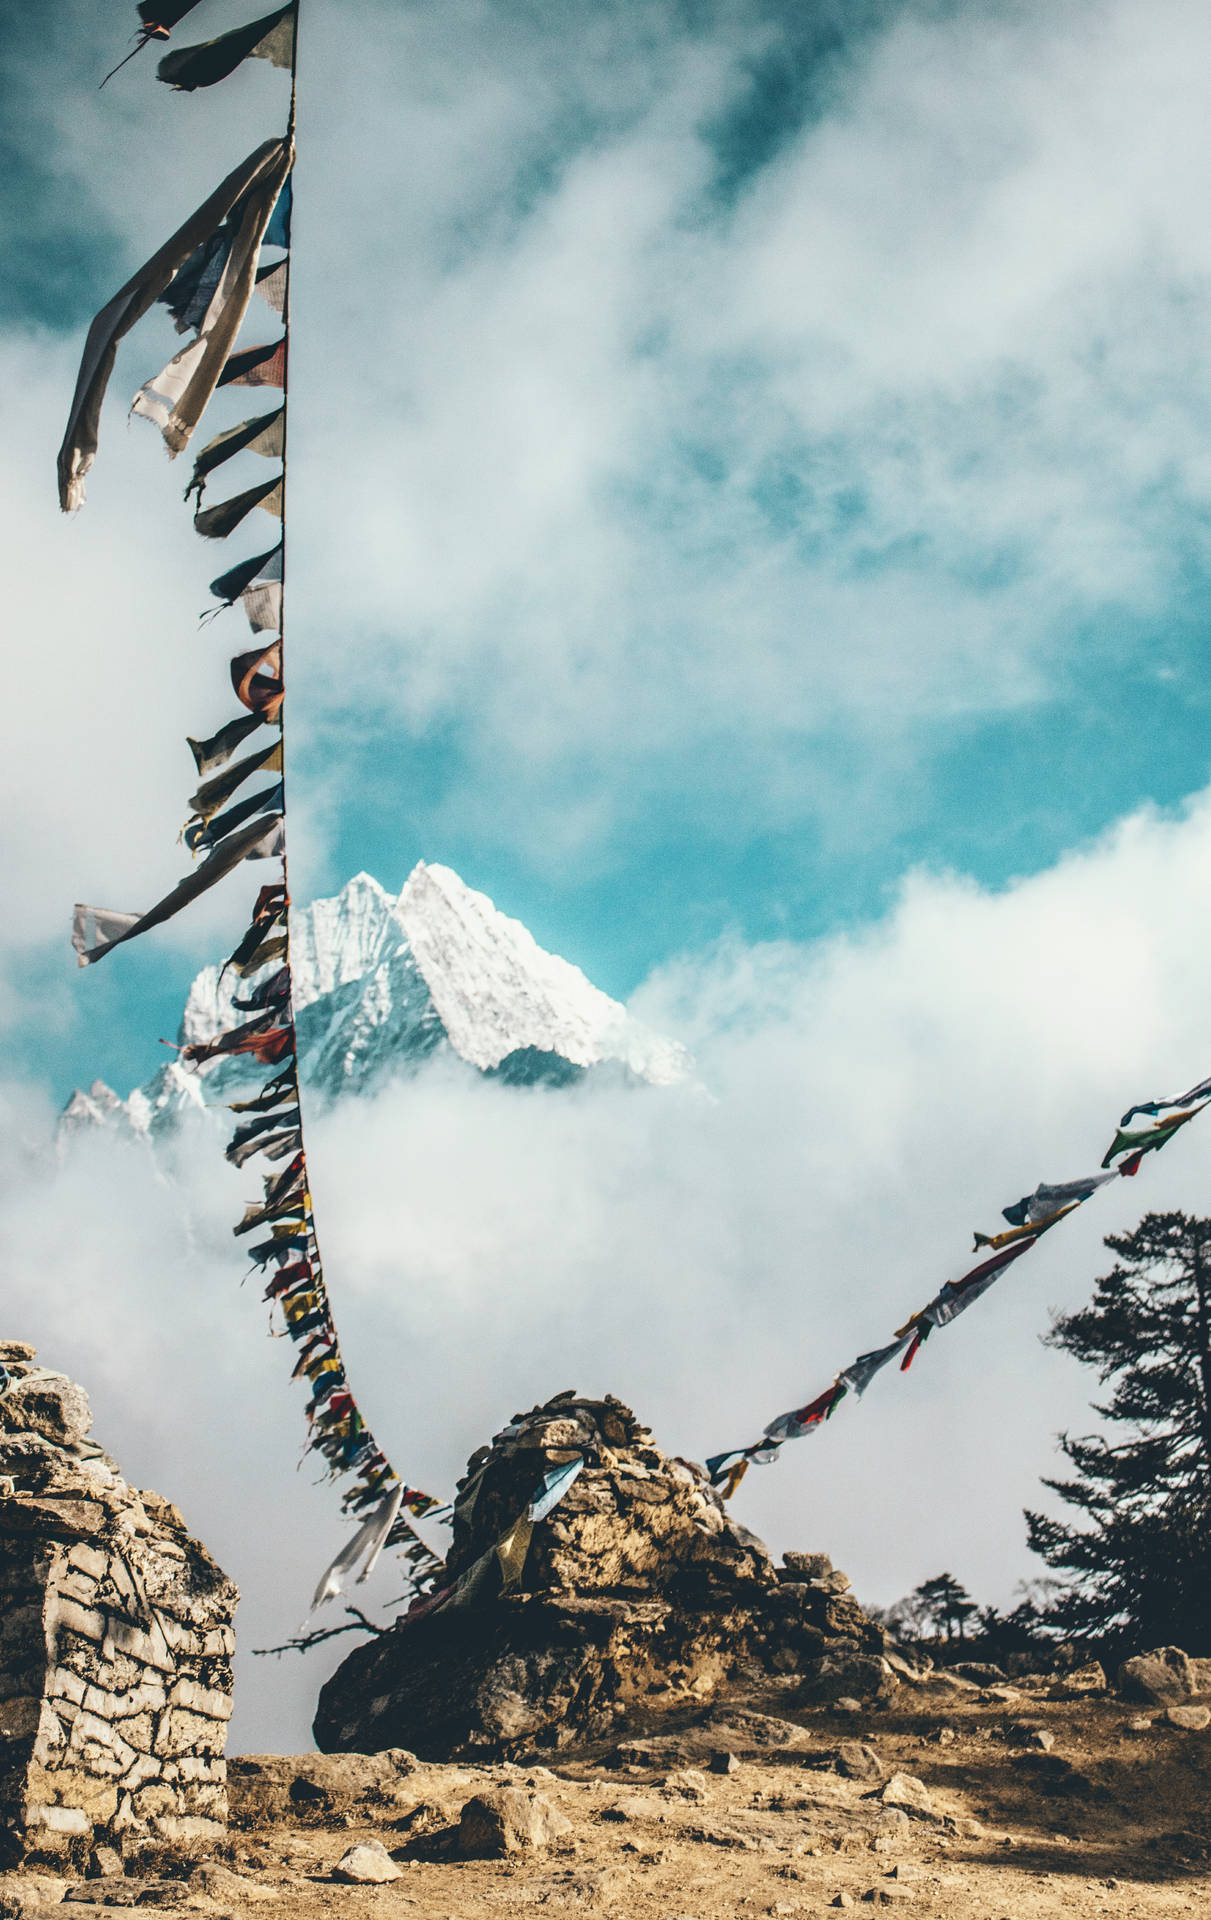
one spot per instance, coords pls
(908, 1793)
(367, 1865)
(103, 1861)
(269, 1787)
(858, 1762)
(847, 1704)
(1040, 1738)
(1202, 1674)
(807, 1566)
(1141, 1724)
(508, 1821)
(1087, 1679)
(687, 1783)
(1187, 1719)
(944, 1680)
(724, 1763)
(216, 1882)
(842, 1899)
(982, 1672)
(639, 1593)
(115, 1646)
(1157, 1678)
(888, 1893)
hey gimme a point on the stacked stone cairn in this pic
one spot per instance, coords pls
(638, 1596)
(115, 1643)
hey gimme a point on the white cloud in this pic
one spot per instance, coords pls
(713, 1261)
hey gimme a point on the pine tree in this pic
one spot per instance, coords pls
(1139, 1567)
(944, 1605)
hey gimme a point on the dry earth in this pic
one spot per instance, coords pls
(1027, 1806)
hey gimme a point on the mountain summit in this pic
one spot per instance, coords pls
(382, 983)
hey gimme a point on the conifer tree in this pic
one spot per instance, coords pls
(1138, 1567)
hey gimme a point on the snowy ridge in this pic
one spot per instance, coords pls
(383, 983)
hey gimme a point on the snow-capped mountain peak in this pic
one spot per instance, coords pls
(380, 984)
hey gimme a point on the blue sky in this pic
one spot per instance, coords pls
(749, 516)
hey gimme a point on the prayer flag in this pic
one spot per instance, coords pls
(255, 676)
(212, 793)
(215, 523)
(78, 451)
(270, 38)
(265, 435)
(256, 366)
(228, 854)
(1154, 1107)
(230, 585)
(1045, 1200)
(272, 283)
(221, 745)
(263, 605)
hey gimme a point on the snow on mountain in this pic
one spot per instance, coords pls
(382, 983)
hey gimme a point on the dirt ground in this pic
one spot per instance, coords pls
(1032, 1806)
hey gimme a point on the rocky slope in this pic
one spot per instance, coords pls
(382, 984)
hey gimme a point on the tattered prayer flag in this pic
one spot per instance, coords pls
(1154, 1107)
(164, 13)
(215, 523)
(551, 1489)
(260, 1038)
(257, 366)
(179, 394)
(1032, 1227)
(221, 745)
(1149, 1140)
(105, 926)
(263, 605)
(265, 435)
(256, 678)
(277, 233)
(1046, 1200)
(271, 992)
(272, 283)
(270, 38)
(230, 585)
(228, 854)
(199, 836)
(211, 795)
(194, 284)
(858, 1376)
(791, 1426)
(956, 1296)
(268, 163)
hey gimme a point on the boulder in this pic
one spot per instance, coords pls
(907, 1793)
(115, 1644)
(508, 1821)
(638, 1595)
(367, 1865)
(1157, 1678)
(1187, 1719)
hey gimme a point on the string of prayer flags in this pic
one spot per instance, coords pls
(266, 168)
(1030, 1218)
(270, 38)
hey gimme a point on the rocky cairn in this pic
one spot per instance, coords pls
(115, 1643)
(638, 1596)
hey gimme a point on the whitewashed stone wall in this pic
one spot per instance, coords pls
(115, 1642)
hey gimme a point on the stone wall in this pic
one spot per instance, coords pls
(115, 1642)
(638, 1595)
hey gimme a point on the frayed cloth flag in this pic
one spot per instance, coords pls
(228, 854)
(858, 1376)
(178, 395)
(365, 1546)
(1146, 1140)
(256, 679)
(230, 585)
(265, 435)
(164, 13)
(215, 523)
(263, 605)
(199, 835)
(193, 286)
(1047, 1200)
(268, 163)
(277, 233)
(550, 1491)
(1153, 1107)
(257, 366)
(216, 751)
(273, 285)
(270, 38)
(211, 795)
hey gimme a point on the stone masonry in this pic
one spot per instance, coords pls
(115, 1643)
